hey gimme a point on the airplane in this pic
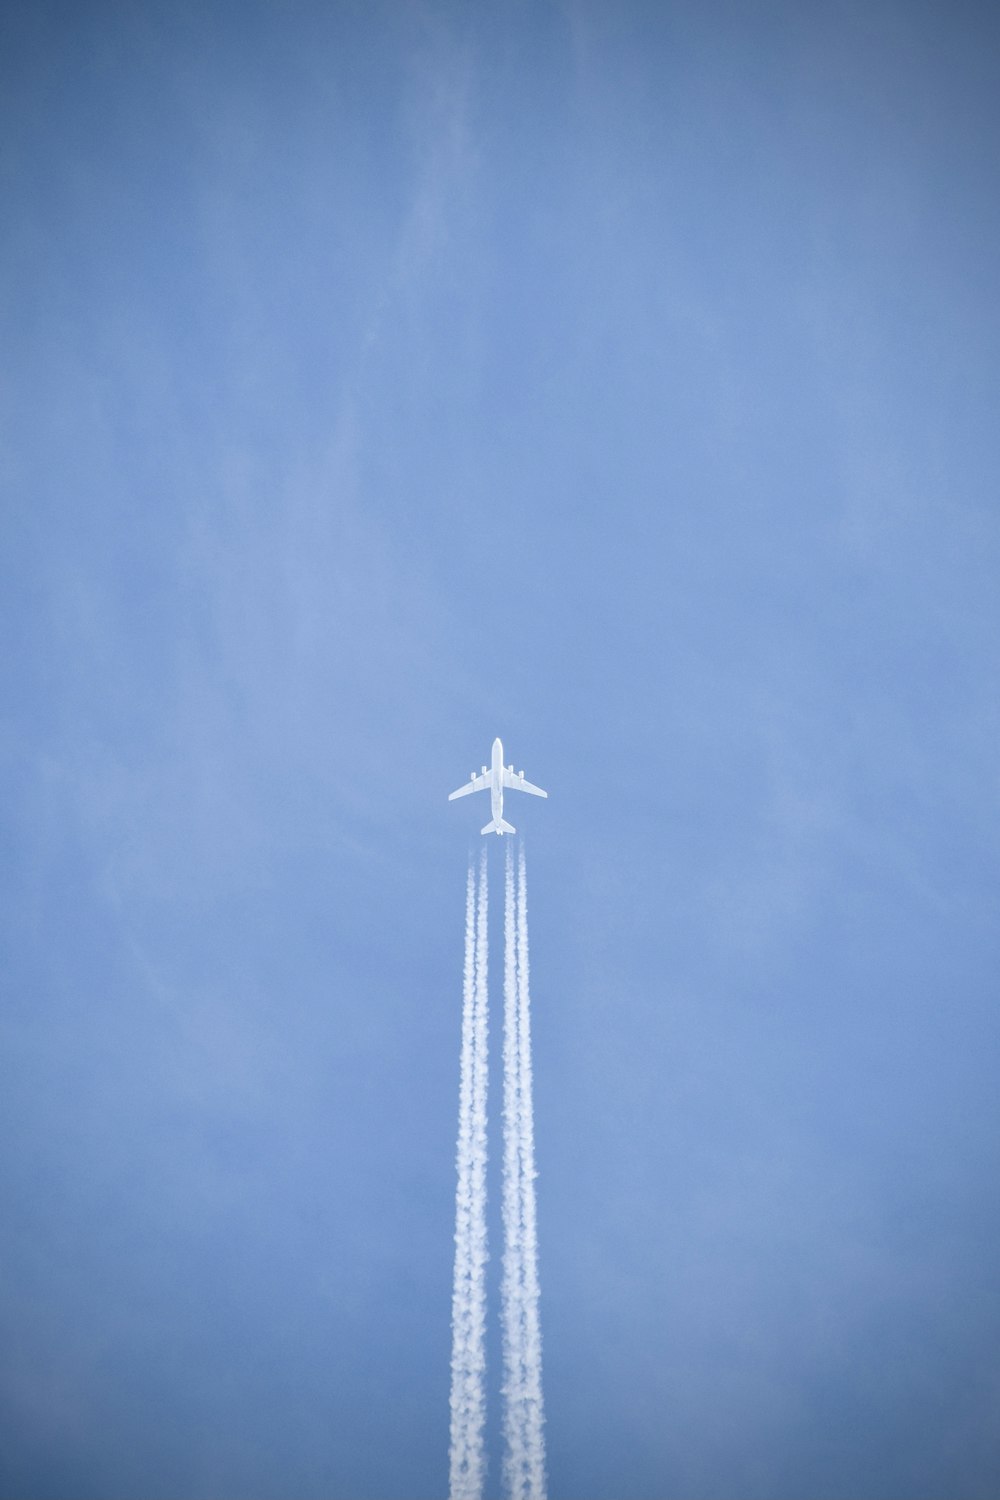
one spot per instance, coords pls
(496, 777)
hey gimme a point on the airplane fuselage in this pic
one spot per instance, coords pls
(496, 782)
(494, 778)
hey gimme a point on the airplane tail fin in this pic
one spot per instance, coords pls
(502, 827)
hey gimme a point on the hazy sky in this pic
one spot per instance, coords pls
(620, 379)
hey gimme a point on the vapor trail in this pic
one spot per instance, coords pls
(524, 1457)
(512, 1282)
(468, 1357)
(534, 1412)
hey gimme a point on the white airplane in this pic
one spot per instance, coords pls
(496, 777)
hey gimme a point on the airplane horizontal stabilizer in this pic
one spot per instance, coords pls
(502, 827)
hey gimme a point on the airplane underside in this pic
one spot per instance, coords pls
(495, 780)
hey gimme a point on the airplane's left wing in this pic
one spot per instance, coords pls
(474, 784)
(518, 784)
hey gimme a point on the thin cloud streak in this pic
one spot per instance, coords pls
(468, 1360)
(524, 1457)
(512, 1288)
(534, 1413)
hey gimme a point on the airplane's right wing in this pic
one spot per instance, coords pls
(518, 784)
(474, 784)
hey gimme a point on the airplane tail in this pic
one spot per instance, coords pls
(502, 827)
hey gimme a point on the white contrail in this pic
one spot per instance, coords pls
(464, 1394)
(480, 1078)
(513, 1259)
(468, 1357)
(524, 1457)
(534, 1413)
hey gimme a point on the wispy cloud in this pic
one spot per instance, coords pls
(524, 1458)
(468, 1317)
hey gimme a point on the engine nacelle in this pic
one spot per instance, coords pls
(521, 775)
(484, 770)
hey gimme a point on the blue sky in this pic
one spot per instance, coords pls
(622, 380)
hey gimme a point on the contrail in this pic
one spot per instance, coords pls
(479, 1153)
(512, 1284)
(534, 1412)
(524, 1441)
(468, 1357)
(524, 1455)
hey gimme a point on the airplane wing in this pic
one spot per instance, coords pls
(474, 784)
(518, 784)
